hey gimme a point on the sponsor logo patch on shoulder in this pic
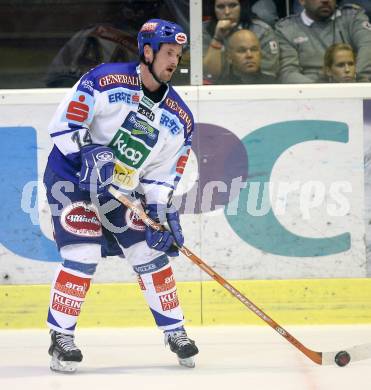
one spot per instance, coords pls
(87, 84)
(81, 219)
(79, 109)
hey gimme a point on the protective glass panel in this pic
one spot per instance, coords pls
(52, 43)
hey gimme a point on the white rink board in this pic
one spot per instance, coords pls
(311, 161)
(210, 234)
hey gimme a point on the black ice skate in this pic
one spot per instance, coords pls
(180, 344)
(65, 355)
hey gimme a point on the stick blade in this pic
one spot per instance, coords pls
(357, 353)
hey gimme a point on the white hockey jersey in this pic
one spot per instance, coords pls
(151, 141)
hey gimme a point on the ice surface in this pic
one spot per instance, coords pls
(230, 358)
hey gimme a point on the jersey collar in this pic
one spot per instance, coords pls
(308, 21)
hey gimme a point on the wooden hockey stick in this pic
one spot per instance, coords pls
(341, 358)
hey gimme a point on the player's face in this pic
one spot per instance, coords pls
(228, 9)
(244, 53)
(319, 9)
(343, 69)
(167, 59)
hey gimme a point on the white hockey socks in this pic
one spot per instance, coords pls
(157, 282)
(66, 298)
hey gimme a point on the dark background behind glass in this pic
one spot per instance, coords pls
(32, 32)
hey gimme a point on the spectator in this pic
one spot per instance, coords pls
(340, 64)
(229, 16)
(244, 60)
(304, 37)
(105, 42)
(265, 10)
(365, 4)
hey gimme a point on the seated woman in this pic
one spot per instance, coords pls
(339, 64)
(230, 16)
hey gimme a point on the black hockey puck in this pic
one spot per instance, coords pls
(342, 358)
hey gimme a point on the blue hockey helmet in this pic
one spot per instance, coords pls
(157, 31)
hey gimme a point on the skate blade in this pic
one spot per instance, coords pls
(61, 366)
(187, 362)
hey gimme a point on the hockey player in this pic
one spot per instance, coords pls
(121, 125)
